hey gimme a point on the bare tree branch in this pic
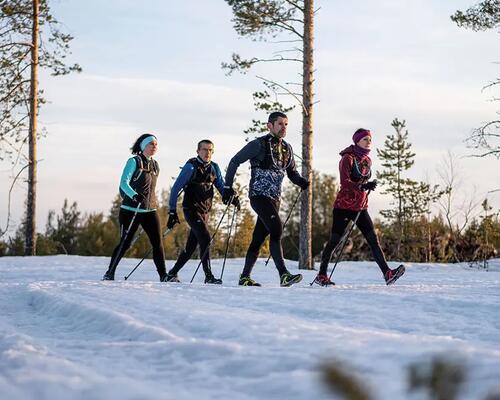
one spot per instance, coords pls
(286, 90)
(285, 41)
(295, 49)
(17, 86)
(295, 4)
(289, 28)
(3, 232)
(9, 46)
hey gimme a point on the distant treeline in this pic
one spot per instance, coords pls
(425, 238)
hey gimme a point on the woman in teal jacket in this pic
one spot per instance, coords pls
(137, 188)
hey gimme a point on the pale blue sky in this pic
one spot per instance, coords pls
(155, 67)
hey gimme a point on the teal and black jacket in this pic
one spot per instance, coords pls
(139, 176)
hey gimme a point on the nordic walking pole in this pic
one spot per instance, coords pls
(340, 244)
(149, 252)
(146, 256)
(115, 262)
(343, 241)
(286, 220)
(227, 242)
(212, 239)
(347, 237)
(343, 244)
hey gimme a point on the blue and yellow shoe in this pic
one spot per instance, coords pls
(288, 279)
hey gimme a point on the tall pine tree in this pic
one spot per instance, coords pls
(411, 199)
(263, 19)
(30, 37)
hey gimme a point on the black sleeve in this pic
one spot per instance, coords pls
(292, 172)
(251, 150)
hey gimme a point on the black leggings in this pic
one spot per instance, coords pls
(364, 223)
(198, 235)
(268, 223)
(150, 222)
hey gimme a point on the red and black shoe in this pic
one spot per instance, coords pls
(392, 275)
(323, 280)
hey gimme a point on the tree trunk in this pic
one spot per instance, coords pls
(305, 245)
(30, 242)
(400, 203)
(429, 240)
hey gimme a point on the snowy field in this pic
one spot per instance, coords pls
(64, 334)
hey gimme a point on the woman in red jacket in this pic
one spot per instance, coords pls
(355, 172)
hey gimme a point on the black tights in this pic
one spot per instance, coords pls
(198, 235)
(268, 223)
(364, 223)
(150, 222)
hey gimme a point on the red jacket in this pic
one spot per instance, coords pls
(354, 171)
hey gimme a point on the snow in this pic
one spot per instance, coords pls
(66, 334)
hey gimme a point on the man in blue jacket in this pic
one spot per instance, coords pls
(198, 178)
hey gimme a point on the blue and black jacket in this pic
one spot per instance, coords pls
(198, 179)
(270, 159)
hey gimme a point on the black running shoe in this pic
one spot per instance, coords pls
(393, 275)
(288, 279)
(213, 280)
(171, 278)
(108, 276)
(247, 281)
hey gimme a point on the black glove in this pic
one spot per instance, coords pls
(370, 185)
(139, 198)
(173, 219)
(304, 184)
(227, 194)
(236, 202)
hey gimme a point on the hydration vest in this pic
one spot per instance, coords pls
(275, 155)
(143, 181)
(199, 192)
(361, 170)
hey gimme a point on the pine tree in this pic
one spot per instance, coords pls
(67, 228)
(263, 103)
(97, 236)
(325, 189)
(487, 236)
(242, 234)
(411, 199)
(259, 20)
(242, 227)
(30, 37)
(176, 239)
(481, 17)
(4, 248)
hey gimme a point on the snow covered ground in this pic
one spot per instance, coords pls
(64, 334)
